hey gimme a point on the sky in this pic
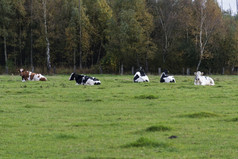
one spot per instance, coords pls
(227, 4)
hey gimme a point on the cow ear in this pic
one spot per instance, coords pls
(195, 73)
(202, 73)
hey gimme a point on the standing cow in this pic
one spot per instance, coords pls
(84, 80)
(203, 80)
(27, 75)
(140, 76)
(164, 78)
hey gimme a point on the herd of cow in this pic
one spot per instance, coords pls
(139, 76)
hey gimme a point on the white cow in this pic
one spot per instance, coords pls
(140, 76)
(164, 78)
(203, 80)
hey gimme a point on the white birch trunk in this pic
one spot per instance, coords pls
(5, 53)
(80, 35)
(201, 46)
(122, 69)
(200, 38)
(46, 37)
(32, 67)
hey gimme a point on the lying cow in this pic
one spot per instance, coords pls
(30, 76)
(164, 78)
(84, 80)
(140, 76)
(202, 80)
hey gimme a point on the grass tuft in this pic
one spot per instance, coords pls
(65, 136)
(202, 115)
(158, 128)
(80, 124)
(145, 142)
(126, 81)
(88, 100)
(146, 97)
(93, 100)
(186, 87)
(232, 120)
(100, 158)
(23, 86)
(29, 106)
(63, 85)
(32, 106)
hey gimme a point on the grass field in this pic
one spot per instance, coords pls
(118, 119)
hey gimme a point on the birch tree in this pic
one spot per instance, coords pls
(209, 18)
(31, 22)
(46, 36)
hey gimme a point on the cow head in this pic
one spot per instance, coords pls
(198, 74)
(21, 71)
(72, 77)
(142, 72)
(166, 72)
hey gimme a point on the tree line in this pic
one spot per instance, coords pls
(111, 35)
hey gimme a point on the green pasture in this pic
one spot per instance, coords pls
(118, 119)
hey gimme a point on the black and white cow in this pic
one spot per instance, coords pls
(140, 76)
(203, 80)
(164, 78)
(84, 80)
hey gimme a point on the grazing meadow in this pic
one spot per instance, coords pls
(118, 119)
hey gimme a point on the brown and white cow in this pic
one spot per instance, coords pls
(27, 75)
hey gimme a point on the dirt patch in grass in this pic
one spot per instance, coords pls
(158, 128)
(145, 142)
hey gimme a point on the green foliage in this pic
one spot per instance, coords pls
(5, 14)
(129, 33)
(120, 32)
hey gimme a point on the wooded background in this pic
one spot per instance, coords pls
(107, 35)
